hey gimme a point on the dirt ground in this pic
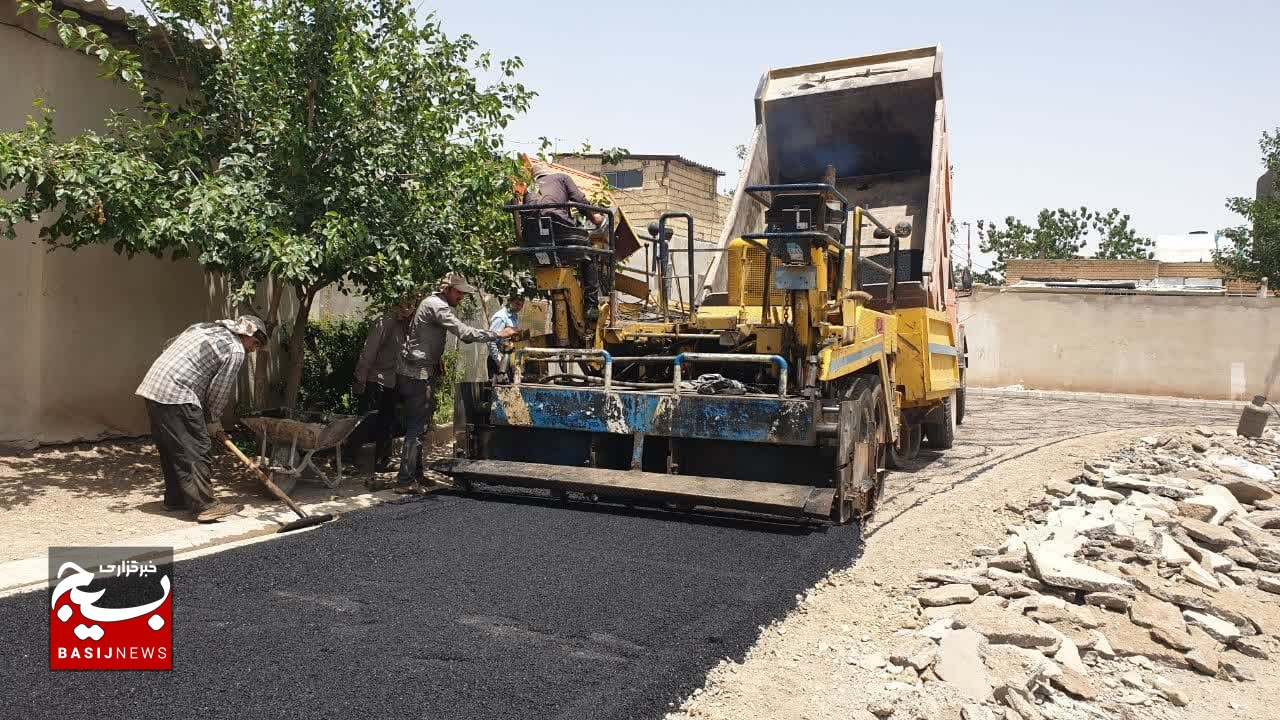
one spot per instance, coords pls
(805, 667)
(105, 492)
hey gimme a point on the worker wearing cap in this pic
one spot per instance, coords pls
(375, 379)
(550, 187)
(420, 366)
(186, 390)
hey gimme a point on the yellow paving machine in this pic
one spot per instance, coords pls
(817, 350)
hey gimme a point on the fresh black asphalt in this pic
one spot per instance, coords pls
(445, 607)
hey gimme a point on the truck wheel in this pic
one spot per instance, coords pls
(942, 433)
(856, 455)
(907, 447)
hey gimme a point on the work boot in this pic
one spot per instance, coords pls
(217, 511)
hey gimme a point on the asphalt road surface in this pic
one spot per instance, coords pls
(448, 607)
(444, 607)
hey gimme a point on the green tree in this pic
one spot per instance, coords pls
(1254, 252)
(311, 142)
(1061, 234)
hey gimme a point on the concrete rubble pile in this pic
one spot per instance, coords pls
(1163, 556)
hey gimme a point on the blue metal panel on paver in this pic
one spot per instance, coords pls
(714, 417)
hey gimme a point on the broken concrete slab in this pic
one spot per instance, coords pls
(1052, 566)
(953, 594)
(1150, 612)
(1199, 576)
(1075, 684)
(1094, 494)
(1221, 630)
(1241, 556)
(1127, 640)
(1068, 656)
(1233, 665)
(1195, 511)
(1172, 553)
(960, 664)
(1248, 491)
(1212, 536)
(1269, 583)
(918, 653)
(1058, 488)
(1252, 535)
(1109, 601)
(1240, 467)
(1017, 667)
(1008, 563)
(1254, 646)
(1000, 626)
(968, 576)
(1173, 637)
(1220, 499)
(1001, 575)
(1266, 519)
(1203, 662)
(1127, 482)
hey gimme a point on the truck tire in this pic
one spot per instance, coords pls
(856, 455)
(942, 432)
(907, 447)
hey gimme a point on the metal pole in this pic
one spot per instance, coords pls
(968, 245)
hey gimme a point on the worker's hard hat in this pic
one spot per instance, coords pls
(457, 282)
(539, 169)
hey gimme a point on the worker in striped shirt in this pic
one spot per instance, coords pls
(186, 390)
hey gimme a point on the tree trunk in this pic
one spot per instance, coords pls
(298, 346)
(260, 363)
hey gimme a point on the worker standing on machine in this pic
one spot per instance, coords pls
(420, 367)
(550, 187)
(507, 316)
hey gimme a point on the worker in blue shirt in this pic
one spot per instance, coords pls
(508, 316)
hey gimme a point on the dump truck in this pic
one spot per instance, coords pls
(820, 351)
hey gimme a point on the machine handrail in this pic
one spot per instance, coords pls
(777, 360)
(664, 245)
(552, 354)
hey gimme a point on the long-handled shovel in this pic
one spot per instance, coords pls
(304, 520)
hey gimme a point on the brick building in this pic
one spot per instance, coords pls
(649, 185)
(1171, 273)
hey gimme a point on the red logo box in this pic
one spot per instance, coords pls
(110, 608)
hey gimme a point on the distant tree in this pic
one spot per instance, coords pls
(1255, 246)
(1061, 234)
(1117, 240)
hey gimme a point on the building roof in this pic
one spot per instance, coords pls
(100, 9)
(634, 156)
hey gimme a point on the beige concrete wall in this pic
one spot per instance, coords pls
(1215, 348)
(82, 327)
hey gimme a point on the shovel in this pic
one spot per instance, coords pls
(304, 520)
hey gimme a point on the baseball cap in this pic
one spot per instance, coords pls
(457, 282)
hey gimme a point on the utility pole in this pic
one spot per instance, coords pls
(968, 244)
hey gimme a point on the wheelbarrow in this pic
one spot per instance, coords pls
(289, 441)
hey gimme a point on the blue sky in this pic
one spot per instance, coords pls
(1152, 107)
